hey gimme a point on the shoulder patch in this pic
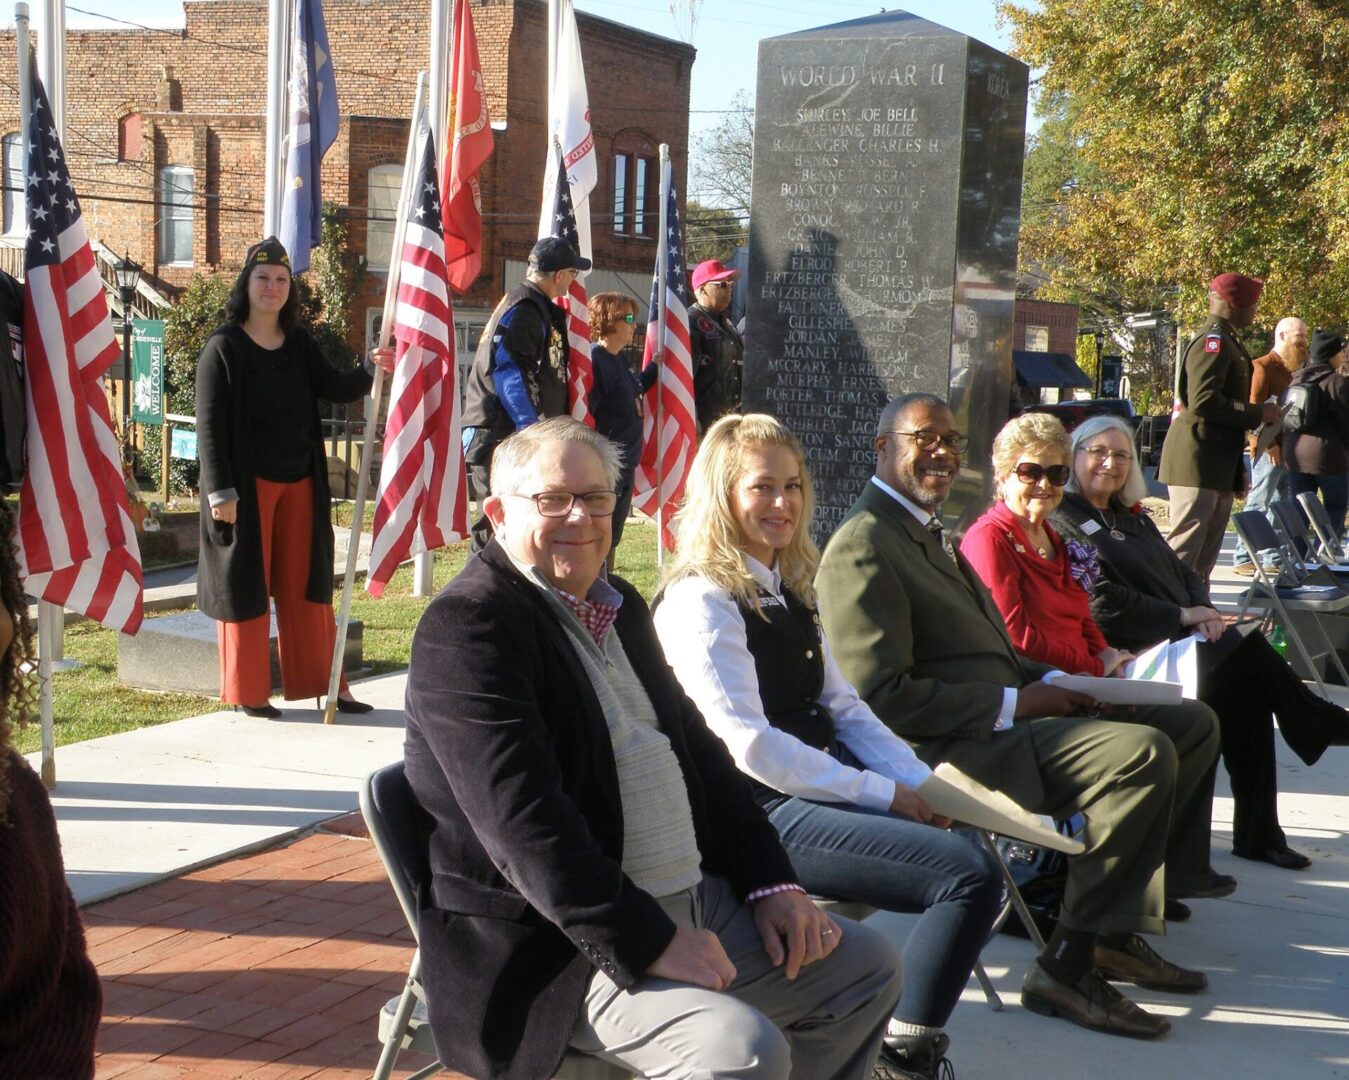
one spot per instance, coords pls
(1213, 342)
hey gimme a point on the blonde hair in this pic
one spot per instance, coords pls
(710, 543)
(1033, 433)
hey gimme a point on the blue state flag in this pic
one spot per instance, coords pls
(311, 128)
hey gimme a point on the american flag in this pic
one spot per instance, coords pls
(77, 545)
(580, 375)
(421, 503)
(667, 453)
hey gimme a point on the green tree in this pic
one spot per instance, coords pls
(1184, 140)
(723, 161)
(711, 233)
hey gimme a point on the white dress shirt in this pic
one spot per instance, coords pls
(702, 632)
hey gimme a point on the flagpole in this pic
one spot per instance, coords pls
(442, 23)
(50, 618)
(658, 352)
(376, 397)
(278, 70)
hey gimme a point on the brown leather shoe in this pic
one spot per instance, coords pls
(1091, 1002)
(1137, 963)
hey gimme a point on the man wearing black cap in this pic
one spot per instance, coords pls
(1202, 457)
(519, 373)
(717, 349)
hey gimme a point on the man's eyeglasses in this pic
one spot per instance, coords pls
(629, 318)
(1030, 472)
(1102, 454)
(928, 440)
(558, 504)
(720, 285)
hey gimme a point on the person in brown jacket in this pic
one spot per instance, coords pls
(1270, 376)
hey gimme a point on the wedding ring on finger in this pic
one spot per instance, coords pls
(826, 933)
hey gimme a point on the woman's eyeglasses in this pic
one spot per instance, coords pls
(1030, 472)
(629, 318)
(1101, 455)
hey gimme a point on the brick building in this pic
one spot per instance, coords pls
(165, 137)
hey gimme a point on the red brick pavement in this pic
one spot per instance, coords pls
(273, 966)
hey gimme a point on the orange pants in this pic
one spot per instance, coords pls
(305, 631)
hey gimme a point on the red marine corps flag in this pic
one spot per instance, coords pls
(471, 145)
(77, 545)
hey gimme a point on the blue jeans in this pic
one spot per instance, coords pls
(1334, 491)
(1268, 483)
(850, 853)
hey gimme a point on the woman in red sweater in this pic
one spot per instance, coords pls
(1026, 565)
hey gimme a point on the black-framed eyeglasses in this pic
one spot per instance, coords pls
(1031, 472)
(928, 440)
(558, 504)
(629, 318)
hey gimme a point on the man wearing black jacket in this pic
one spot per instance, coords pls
(601, 875)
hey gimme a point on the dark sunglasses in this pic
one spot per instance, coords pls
(1028, 472)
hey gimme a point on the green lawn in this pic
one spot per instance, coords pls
(89, 702)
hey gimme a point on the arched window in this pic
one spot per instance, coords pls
(383, 184)
(636, 185)
(176, 187)
(14, 183)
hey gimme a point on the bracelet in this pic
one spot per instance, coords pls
(773, 890)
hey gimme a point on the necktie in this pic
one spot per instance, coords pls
(935, 527)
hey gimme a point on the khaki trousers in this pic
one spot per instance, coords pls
(1198, 522)
(825, 1025)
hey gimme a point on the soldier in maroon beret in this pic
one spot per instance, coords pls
(1202, 458)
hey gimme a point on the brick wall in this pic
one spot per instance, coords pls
(1060, 318)
(140, 100)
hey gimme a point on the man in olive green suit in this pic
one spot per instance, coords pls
(915, 631)
(1202, 456)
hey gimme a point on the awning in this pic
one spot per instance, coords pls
(1037, 369)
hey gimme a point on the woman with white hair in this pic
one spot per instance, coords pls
(1141, 594)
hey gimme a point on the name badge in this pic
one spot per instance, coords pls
(1091, 528)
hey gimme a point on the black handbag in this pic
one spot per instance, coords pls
(1041, 874)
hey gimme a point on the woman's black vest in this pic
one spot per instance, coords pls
(788, 658)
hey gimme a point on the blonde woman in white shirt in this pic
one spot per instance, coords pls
(736, 617)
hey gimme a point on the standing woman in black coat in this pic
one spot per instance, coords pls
(266, 527)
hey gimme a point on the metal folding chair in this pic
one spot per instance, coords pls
(1329, 549)
(1295, 530)
(1290, 589)
(400, 829)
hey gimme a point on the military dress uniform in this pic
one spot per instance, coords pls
(718, 353)
(1202, 457)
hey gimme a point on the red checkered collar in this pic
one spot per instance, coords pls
(597, 611)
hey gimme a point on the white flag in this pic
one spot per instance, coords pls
(570, 127)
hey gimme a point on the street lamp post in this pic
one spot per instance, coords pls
(128, 276)
(1100, 345)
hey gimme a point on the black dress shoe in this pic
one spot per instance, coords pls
(1175, 910)
(1284, 857)
(1091, 1002)
(914, 1057)
(1219, 885)
(262, 712)
(1134, 961)
(351, 705)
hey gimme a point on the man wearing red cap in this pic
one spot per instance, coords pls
(1202, 458)
(717, 349)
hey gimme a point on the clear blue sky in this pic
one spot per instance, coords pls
(726, 32)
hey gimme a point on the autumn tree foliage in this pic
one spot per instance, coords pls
(1184, 138)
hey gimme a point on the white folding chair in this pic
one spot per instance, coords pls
(399, 828)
